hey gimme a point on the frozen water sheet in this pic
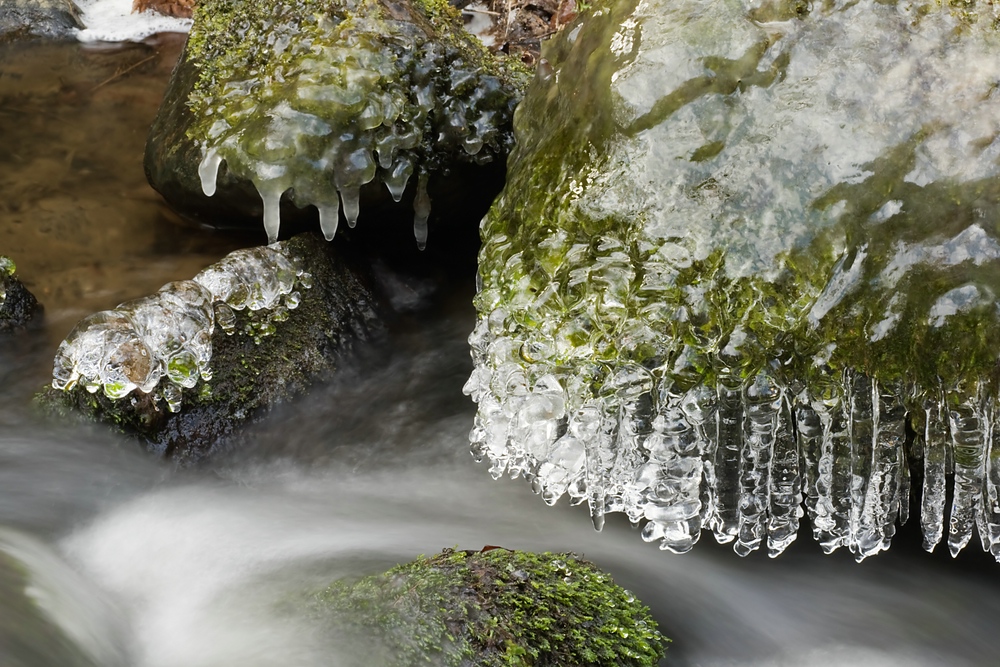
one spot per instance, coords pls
(729, 286)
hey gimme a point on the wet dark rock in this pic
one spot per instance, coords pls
(17, 305)
(21, 19)
(490, 608)
(343, 97)
(264, 362)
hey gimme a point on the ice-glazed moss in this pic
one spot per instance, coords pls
(729, 268)
(494, 608)
(278, 324)
(321, 97)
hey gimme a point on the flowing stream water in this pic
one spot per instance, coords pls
(144, 564)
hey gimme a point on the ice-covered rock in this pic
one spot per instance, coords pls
(745, 268)
(312, 101)
(182, 368)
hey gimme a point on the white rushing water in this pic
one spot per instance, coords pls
(200, 566)
(114, 21)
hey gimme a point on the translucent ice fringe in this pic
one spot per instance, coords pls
(745, 459)
(169, 334)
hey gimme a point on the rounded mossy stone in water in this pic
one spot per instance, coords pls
(319, 100)
(258, 359)
(17, 305)
(495, 607)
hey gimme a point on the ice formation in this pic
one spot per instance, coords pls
(114, 21)
(7, 269)
(163, 342)
(317, 100)
(749, 273)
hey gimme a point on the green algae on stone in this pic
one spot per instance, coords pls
(260, 353)
(728, 273)
(495, 607)
(319, 98)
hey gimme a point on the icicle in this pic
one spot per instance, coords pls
(835, 469)
(588, 426)
(351, 197)
(785, 493)
(810, 443)
(861, 443)
(935, 459)
(991, 498)
(725, 521)
(672, 478)
(329, 218)
(272, 212)
(421, 211)
(700, 408)
(966, 422)
(396, 180)
(208, 171)
(881, 503)
(762, 399)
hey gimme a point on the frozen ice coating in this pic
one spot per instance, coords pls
(318, 99)
(114, 21)
(748, 273)
(168, 335)
(7, 268)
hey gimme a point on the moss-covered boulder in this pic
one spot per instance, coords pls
(491, 608)
(20, 19)
(749, 259)
(324, 102)
(17, 305)
(185, 368)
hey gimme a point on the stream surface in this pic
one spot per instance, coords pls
(144, 564)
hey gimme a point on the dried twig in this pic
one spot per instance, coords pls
(118, 75)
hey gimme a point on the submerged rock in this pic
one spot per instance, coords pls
(17, 305)
(494, 607)
(316, 100)
(752, 264)
(38, 18)
(185, 367)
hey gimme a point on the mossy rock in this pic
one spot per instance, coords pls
(252, 370)
(18, 306)
(52, 19)
(495, 607)
(302, 101)
(755, 258)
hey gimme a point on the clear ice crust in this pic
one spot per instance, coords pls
(163, 343)
(319, 99)
(745, 271)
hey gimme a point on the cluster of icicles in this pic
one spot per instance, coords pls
(741, 459)
(169, 334)
(351, 116)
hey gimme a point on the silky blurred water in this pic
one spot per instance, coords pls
(143, 564)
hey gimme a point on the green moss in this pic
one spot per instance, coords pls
(318, 98)
(672, 230)
(498, 607)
